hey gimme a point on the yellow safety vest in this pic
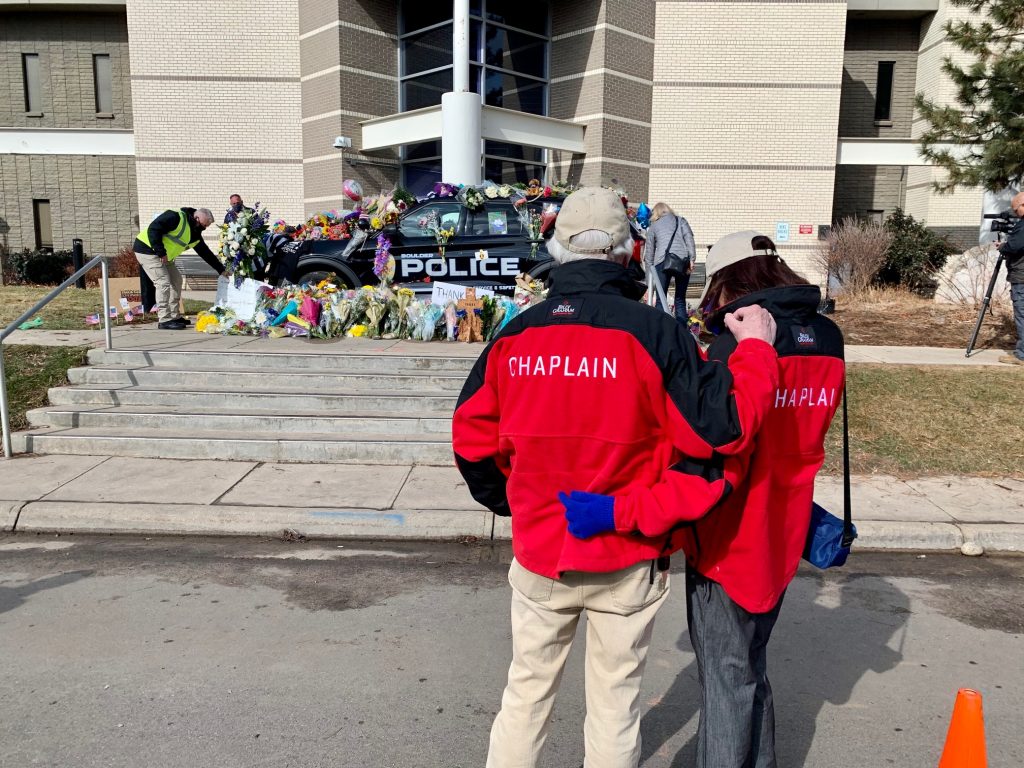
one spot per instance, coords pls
(175, 242)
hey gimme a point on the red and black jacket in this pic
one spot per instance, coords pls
(752, 542)
(591, 390)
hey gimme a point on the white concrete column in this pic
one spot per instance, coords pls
(460, 46)
(461, 157)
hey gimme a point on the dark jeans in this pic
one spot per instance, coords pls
(680, 300)
(1017, 296)
(147, 291)
(737, 715)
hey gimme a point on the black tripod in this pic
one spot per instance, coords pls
(988, 298)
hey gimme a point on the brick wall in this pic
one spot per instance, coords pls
(342, 85)
(90, 197)
(958, 213)
(863, 188)
(65, 43)
(745, 117)
(236, 127)
(602, 58)
(869, 41)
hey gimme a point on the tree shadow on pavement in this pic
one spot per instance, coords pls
(831, 633)
(14, 597)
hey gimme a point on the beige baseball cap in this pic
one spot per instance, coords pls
(591, 208)
(731, 249)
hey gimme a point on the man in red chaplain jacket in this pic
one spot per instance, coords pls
(592, 390)
(742, 556)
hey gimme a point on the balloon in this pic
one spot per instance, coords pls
(643, 215)
(353, 190)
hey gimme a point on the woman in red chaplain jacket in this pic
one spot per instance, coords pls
(743, 554)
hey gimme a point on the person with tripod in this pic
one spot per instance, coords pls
(1012, 249)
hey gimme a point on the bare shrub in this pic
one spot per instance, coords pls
(124, 263)
(853, 254)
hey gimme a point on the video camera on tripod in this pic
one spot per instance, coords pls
(1002, 223)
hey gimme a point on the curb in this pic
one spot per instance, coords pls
(325, 523)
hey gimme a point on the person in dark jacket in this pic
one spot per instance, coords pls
(667, 230)
(743, 554)
(156, 247)
(1013, 250)
(593, 390)
(235, 206)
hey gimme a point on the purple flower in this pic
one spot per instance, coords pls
(381, 255)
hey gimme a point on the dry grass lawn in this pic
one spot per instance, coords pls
(888, 317)
(68, 311)
(909, 421)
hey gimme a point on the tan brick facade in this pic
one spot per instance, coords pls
(92, 197)
(217, 104)
(729, 111)
(745, 117)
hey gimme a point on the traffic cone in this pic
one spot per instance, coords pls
(965, 741)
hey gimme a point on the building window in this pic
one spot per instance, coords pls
(509, 49)
(103, 81)
(883, 91)
(876, 217)
(33, 83)
(43, 224)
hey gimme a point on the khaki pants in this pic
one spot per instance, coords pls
(167, 280)
(620, 608)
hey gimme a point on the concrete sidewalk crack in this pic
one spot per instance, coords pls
(401, 487)
(234, 485)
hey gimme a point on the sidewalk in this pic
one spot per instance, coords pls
(149, 337)
(96, 494)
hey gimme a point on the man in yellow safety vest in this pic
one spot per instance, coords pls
(156, 247)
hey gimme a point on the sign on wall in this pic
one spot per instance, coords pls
(781, 232)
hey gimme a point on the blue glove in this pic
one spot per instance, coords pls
(588, 513)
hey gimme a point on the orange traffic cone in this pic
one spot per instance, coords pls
(965, 741)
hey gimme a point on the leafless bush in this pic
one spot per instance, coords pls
(124, 263)
(853, 254)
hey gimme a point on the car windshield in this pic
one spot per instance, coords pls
(416, 223)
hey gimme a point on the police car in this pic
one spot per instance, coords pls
(490, 247)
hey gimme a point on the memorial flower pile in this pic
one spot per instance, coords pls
(324, 311)
(242, 248)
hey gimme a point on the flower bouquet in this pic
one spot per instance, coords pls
(432, 224)
(242, 248)
(533, 223)
(473, 198)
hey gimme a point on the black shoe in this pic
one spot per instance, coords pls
(185, 320)
(172, 325)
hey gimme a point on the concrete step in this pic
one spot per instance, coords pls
(241, 380)
(240, 446)
(384, 402)
(131, 420)
(322, 361)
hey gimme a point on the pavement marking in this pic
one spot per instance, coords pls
(21, 545)
(328, 554)
(392, 516)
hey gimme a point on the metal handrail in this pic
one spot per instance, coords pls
(4, 407)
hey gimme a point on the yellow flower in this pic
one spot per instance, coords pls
(204, 321)
(376, 223)
(356, 331)
(405, 292)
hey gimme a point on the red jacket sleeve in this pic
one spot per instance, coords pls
(692, 487)
(475, 436)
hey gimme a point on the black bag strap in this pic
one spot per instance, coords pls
(848, 534)
(668, 248)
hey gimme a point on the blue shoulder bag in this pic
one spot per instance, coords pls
(828, 538)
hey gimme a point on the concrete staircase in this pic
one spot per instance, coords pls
(254, 406)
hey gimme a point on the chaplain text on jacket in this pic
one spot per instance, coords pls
(809, 397)
(566, 366)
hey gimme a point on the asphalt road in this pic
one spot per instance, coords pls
(192, 653)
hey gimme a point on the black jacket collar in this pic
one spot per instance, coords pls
(794, 302)
(594, 276)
